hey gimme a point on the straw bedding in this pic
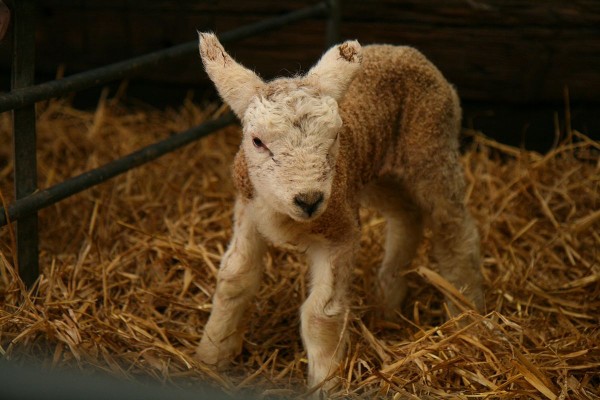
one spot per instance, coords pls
(128, 269)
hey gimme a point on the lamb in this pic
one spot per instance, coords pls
(374, 126)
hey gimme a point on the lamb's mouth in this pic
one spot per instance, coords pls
(300, 216)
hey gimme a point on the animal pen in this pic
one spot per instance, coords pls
(128, 270)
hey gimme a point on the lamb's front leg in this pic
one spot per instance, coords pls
(237, 282)
(325, 311)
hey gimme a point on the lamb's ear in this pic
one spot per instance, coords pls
(235, 83)
(336, 69)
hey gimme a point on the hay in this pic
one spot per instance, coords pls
(129, 268)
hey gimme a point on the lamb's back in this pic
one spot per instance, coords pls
(397, 85)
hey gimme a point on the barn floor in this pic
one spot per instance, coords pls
(128, 269)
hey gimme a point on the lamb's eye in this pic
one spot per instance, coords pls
(257, 142)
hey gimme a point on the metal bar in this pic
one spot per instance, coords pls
(53, 194)
(24, 137)
(123, 69)
(333, 34)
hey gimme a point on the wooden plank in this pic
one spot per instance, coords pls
(477, 13)
(494, 50)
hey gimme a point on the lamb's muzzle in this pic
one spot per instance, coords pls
(309, 202)
(375, 125)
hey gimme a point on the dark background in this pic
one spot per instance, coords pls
(515, 62)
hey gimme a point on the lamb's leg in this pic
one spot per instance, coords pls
(404, 233)
(325, 311)
(237, 282)
(433, 173)
(455, 245)
(440, 192)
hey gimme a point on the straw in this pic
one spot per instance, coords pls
(128, 270)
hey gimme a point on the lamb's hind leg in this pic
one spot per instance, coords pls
(455, 245)
(455, 240)
(403, 236)
(237, 282)
(433, 172)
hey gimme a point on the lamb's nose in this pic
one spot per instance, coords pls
(309, 201)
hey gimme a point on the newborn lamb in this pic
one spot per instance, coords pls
(376, 126)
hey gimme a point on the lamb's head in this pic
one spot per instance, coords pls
(290, 125)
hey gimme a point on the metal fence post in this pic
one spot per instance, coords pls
(24, 136)
(333, 23)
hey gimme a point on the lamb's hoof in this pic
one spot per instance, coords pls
(390, 314)
(217, 357)
(391, 301)
(324, 389)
